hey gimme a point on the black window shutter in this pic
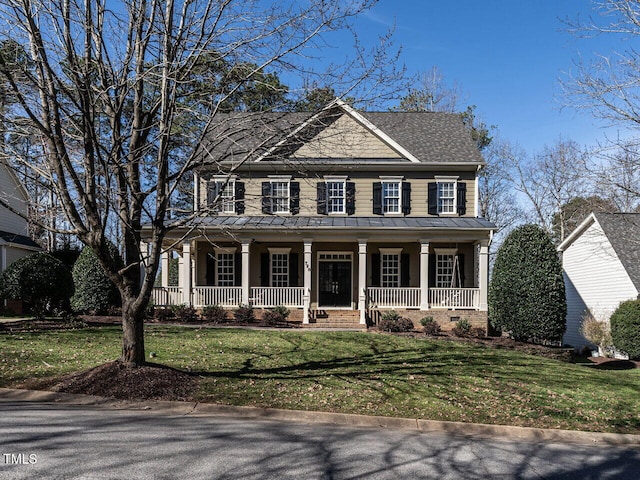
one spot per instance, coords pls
(461, 269)
(377, 198)
(210, 275)
(406, 198)
(294, 198)
(432, 270)
(462, 198)
(266, 198)
(212, 194)
(351, 198)
(264, 270)
(405, 267)
(237, 266)
(375, 269)
(432, 199)
(321, 190)
(293, 269)
(239, 197)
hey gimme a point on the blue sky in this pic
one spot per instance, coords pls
(506, 56)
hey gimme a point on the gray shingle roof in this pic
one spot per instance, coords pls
(18, 239)
(431, 137)
(623, 231)
(327, 222)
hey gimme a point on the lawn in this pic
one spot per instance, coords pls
(374, 374)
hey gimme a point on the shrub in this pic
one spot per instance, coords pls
(477, 332)
(184, 313)
(94, 290)
(430, 326)
(214, 314)
(462, 328)
(39, 280)
(162, 314)
(526, 293)
(276, 316)
(625, 328)
(244, 314)
(391, 321)
(597, 332)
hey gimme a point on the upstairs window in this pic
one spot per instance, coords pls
(281, 196)
(336, 196)
(391, 196)
(447, 196)
(225, 195)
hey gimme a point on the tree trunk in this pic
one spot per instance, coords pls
(132, 333)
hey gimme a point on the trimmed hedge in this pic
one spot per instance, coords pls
(40, 281)
(526, 293)
(95, 292)
(625, 328)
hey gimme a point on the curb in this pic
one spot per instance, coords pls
(468, 430)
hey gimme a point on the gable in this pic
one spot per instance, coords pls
(13, 193)
(346, 138)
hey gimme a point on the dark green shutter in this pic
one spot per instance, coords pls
(405, 269)
(321, 190)
(432, 199)
(406, 198)
(461, 269)
(210, 275)
(377, 198)
(239, 197)
(351, 198)
(264, 270)
(432, 270)
(293, 269)
(461, 199)
(266, 198)
(294, 198)
(237, 269)
(212, 197)
(375, 269)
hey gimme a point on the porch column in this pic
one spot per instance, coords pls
(483, 275)
(362, 280)
(424, 275)
(164, 269)
(186, 273)
(306, 296)
(144, 258)
(246, 290)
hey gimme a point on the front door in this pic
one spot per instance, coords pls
(335, 284)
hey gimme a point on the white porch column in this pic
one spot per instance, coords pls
(483, 275)
(306, 297)
(185, 282)
(164, 269)
(362, 280)
(144, 258)
(424, 275)
(246, 289)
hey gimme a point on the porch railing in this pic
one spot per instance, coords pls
(454, 297)
(275, 296)
(223, 296)
(403, 297)
(163, 296)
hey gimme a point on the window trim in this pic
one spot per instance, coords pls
(441, 180)
(336, 179)
(226, 182)
(396, 252)
(449, 252)
(387, 179)
(225, 251)
(279, 251)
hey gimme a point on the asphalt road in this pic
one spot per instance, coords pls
(48, 441)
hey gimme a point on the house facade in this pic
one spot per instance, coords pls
(339, 215)
(601, 268)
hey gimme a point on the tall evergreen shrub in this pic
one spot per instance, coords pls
(40, 281)
(95, 292)
(526, 293)
(625, 328)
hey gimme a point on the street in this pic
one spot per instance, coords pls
(48, 441)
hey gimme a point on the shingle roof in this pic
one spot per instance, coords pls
(18, 239)
(623, 231)
(431, 137)
(327, 222)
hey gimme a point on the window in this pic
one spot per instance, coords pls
(391, 197)
(225, 269)
(335, 197)
(446, 197)
(226, 195)
(281, 196)
(449, 268)
(390, 266)
(279, 269)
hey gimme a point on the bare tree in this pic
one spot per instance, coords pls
(115, 99)
(431, 94)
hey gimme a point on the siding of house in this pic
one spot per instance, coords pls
(13, 194)
(594, 279)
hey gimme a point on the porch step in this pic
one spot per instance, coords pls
(335, 319)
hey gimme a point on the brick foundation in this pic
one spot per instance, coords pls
(446, 318)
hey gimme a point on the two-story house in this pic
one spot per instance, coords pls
(337, 214)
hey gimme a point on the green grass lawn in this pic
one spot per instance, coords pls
(349, 372)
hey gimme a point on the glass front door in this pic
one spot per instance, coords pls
(335, 284)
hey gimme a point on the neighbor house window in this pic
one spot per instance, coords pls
(390, 267)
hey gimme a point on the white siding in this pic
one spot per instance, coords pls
(594, 279)
(13, 194)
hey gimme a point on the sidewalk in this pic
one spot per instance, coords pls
(309, 417)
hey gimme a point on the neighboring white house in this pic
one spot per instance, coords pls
(601, 266)
(15, 242)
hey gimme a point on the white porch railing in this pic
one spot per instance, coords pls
(163, 296)
(223, 296)
(275, 296)
(384, 297)
(454, 298)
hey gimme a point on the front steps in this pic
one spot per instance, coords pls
(339, 319)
